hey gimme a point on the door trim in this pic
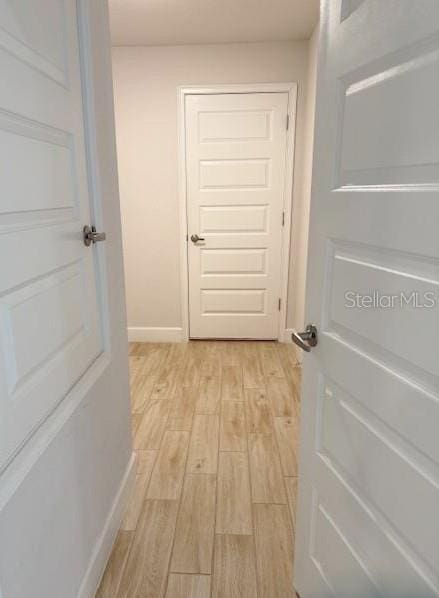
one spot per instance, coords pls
(291, 90)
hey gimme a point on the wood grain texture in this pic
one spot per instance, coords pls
(203, 449)
(287, 439)
(232, 385)
(266, 473)
(253, 374)
(167, 476)
(188, 586)
(195, 526)
(152, 425)
(192, 369)
(145, 461)
(113, 573)
(168, 373)
(291, 486)
(270, 361)
(258, 412)
(274, 551)
(182, 408)
(210, 361)
(231, 353)
(234, 574)
(182, 476)
(145, 574)
(132, 514)
(281, 397)
(233, 435)
(209, 396)
(234, 511)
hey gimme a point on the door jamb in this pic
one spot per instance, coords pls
(291, 89)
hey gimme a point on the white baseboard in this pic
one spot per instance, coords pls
(137, 334)
(104, 545)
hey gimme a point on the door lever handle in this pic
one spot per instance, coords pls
(306, 340)
(196, 238)
(91, 236)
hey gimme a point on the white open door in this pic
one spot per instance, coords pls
(368, 514)
(62, 351)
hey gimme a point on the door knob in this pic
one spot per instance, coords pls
(196, 238)
(91, 236)
(306, 340)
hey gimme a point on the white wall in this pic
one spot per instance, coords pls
(300, 222)
(146, 81)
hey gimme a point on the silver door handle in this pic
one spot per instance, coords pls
(91, 236)
(306, 340)
(196, 238)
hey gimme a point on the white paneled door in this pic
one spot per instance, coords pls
(50, 320)
(368, 515)
(235, 171)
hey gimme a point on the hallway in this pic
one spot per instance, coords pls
(215, 428)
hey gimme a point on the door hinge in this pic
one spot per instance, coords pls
(283, 218)
(279, 303)
(288, 121)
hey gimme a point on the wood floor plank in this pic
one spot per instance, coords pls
(113, 573)
(145, 461)
(287, 439)
(146, 570)
(209, 396)
(168, 373)
(152, 425)
(192, 368)
(291, 485)
(233, 435)
(234, 510)
(234, 574)
(271, 363)
(167, 476)
(188, 586)
(265, 470)
(290, 365)
(182, 408)
(229, 353)
(258, 412)
(141, 384)
(210, 360)
(255, 492)
(139, 492)
(203, 449)
(194, 533)
(288, 355)
(144, 375)
(136, 418)
(274, 551)
(281, 397)
(231, 384)
(253, 374)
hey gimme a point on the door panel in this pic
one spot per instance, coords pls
(50, 329)
(236, 145)
(369, 451)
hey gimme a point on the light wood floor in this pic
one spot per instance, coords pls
(215, 428)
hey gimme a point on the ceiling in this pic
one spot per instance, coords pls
(175, 22)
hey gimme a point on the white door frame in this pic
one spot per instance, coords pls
(291, 89)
